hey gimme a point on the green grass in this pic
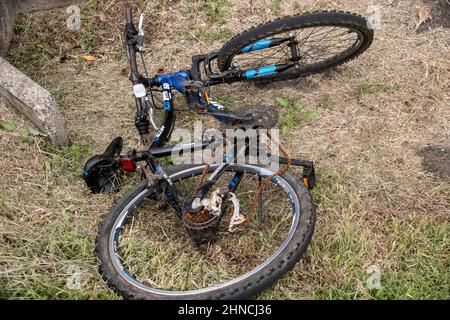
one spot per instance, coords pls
(68, 158)
(275, 6)
(371, 88)
(414, 248)
(293, 115)
(217, 10)
(63, 238)
(95, 4)
(411, 252)
(18, 26)
(30, 58)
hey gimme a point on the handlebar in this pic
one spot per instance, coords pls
(130, 33)
(141, 121)
(129, 15)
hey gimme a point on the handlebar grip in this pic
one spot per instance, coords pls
(128, 15)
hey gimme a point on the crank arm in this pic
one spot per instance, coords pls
(225, 114)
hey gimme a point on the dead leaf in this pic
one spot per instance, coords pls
(424, 13)
(88, 58)
(124, 72)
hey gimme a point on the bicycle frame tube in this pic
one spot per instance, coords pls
(264, 44)
(175, 80)
(176, 200)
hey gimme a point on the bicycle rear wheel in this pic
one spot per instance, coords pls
(309, 43)
(145, 253)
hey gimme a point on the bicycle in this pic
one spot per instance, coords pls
(210, 199)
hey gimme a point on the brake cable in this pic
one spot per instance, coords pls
(148, 81)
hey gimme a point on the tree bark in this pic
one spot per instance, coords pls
(7, 16)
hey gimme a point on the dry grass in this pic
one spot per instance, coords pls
(376, 204)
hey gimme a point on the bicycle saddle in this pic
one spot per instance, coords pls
(100, 171)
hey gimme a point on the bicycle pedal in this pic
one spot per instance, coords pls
(309, 177)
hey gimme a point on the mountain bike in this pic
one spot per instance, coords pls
(238, 227)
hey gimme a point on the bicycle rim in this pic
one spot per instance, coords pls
(171, 264)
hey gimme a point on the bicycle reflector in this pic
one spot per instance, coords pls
(127, 164)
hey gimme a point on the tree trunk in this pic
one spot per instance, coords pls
(7, 16)
(10, 8)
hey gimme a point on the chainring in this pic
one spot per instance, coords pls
(262, 117)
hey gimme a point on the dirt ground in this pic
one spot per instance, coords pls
(381, 143)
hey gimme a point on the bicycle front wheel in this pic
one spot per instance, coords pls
(310, 43)
(145, 252)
